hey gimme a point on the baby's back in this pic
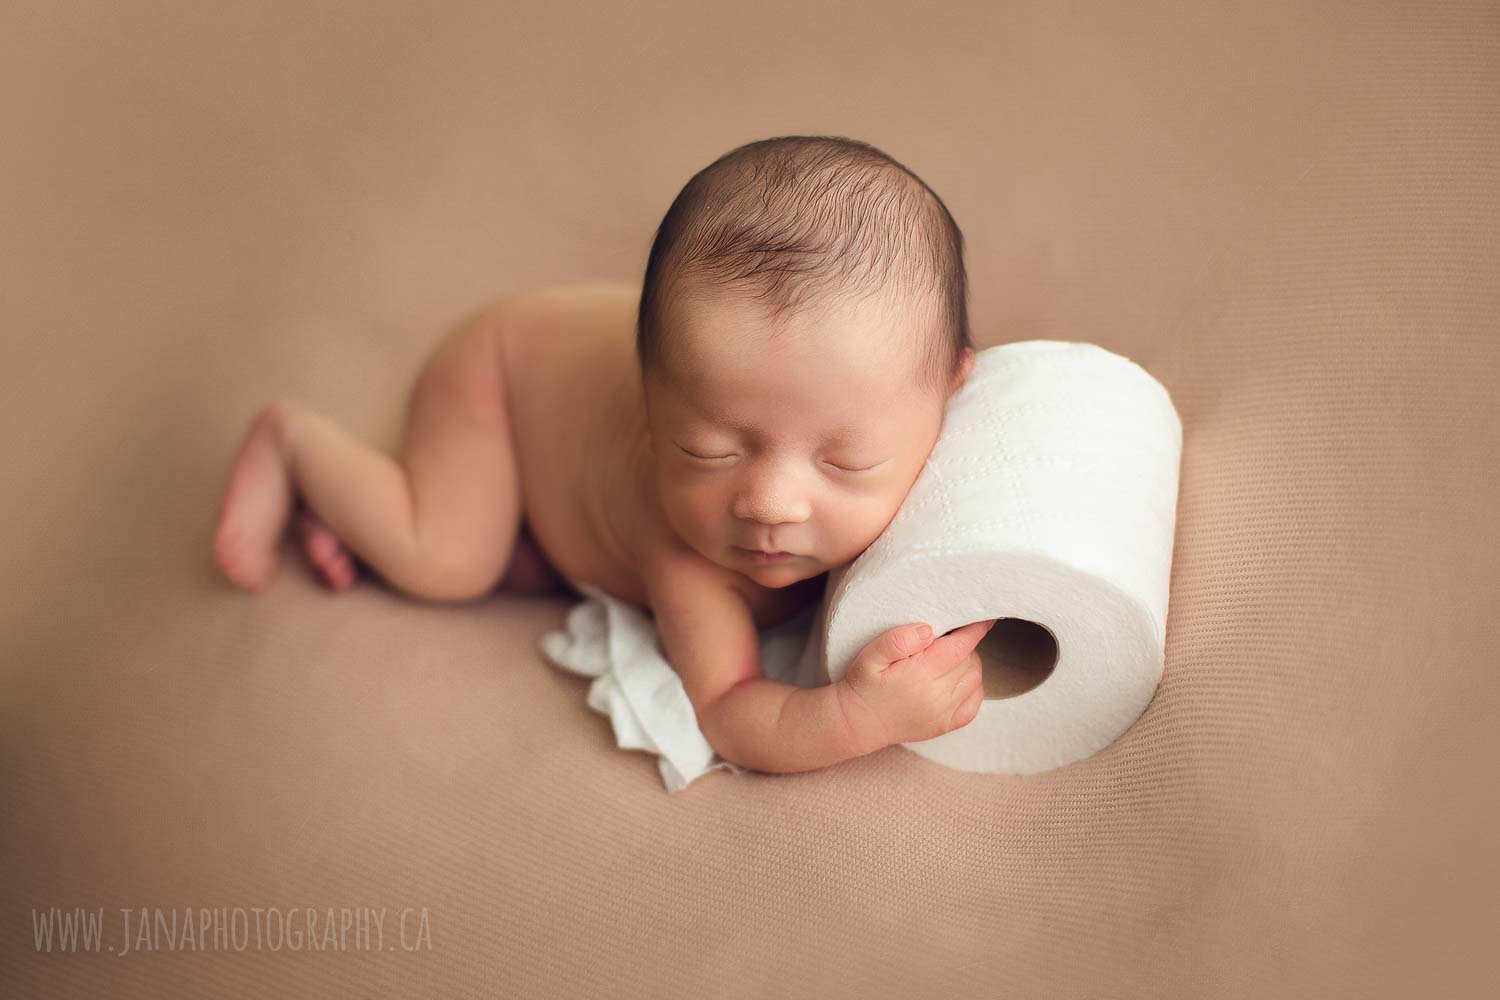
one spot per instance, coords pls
(579, 429)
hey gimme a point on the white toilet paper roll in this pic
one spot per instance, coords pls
(1050, 498)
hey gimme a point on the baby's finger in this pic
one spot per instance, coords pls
(897, 644)
(961, 641)
(949, 650)
(966, 712)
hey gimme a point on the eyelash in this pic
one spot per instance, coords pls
(716, 458)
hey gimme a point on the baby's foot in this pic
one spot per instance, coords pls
(327, 554)
(257, 504)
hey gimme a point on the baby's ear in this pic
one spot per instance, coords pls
(965, 366)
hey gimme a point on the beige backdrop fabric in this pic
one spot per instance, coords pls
(1286, 211)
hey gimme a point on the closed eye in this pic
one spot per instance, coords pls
(867, 468)
(702, 458)
(720, 458)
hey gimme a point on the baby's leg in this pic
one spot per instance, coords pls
(438, 523)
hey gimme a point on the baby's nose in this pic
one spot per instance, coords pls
(770, 508)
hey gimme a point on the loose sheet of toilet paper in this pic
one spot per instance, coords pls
(614, 643)
(1050, 496)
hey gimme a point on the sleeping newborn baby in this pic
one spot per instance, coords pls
(706, 447)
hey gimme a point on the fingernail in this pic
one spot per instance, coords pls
(924, 632)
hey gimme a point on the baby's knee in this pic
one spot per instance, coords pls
(448, 575)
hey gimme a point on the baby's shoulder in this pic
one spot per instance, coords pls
(666, 562)
(672, 565)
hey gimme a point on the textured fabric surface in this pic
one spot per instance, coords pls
(1287, 212)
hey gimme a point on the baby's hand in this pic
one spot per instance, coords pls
(903, 688)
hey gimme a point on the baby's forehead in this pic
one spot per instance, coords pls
(852, 375)
(864, 335)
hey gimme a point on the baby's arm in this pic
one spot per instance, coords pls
(708, 633)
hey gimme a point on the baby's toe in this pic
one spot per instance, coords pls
(240, 562)
(339, 570)
(327, 554)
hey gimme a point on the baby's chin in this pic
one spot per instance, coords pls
(776, 577)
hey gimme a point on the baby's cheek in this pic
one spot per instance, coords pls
(692, 501)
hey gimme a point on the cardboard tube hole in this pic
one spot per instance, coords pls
(1017, 655)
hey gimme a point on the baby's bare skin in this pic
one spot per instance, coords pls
(569, 384)
(529, 419)
(581, 446)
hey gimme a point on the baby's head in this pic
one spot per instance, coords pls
(803, 323)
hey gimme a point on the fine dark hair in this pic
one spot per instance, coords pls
(795, 219)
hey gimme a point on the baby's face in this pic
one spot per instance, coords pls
(805, 442)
